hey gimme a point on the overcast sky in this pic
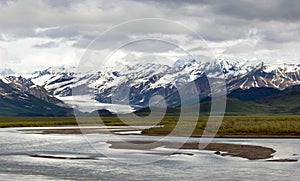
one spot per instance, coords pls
(41, 33)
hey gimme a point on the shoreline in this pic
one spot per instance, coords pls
(231, 127)
(250, 152)
(76, 130)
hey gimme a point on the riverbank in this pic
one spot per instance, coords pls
(231, 127)
(250, 152)
(88, 157)
(137, 131)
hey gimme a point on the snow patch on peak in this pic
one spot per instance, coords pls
(4, 79)
(287, 68)
(269, 68)
(183, 62)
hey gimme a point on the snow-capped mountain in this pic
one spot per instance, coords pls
(265, 75)
(138, 83)
(55, 79)
(20, 97)
(25, 86)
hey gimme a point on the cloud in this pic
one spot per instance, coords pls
(6, 60)
(265, 10)
(3, 56)
(50, 44)
(231, 27)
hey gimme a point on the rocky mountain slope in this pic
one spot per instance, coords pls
(135, 85)
(20, 97)
(142, 81)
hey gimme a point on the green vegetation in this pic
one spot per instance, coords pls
(239, 126)
(271, 125)
(36, 121)
(64, 121)
(231, 125)
(277, 105)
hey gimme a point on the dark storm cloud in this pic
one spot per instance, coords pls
(265, 10)
(246, 9)
(221, 12)
(232, 19)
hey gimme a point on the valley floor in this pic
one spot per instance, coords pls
(231, 126)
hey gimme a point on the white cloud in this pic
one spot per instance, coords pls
(23, 56)
(41, 33)
(6, 59)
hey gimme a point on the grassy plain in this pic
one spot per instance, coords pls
(230, 126)
(238, 126)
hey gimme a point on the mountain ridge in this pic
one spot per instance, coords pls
(21, 97)
(146, 80)
(135, 85)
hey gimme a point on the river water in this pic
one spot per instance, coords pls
(90, 158)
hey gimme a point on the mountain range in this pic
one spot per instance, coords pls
(20, 97)
(134, 85)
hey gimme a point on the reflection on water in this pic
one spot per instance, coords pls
(71, 157)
